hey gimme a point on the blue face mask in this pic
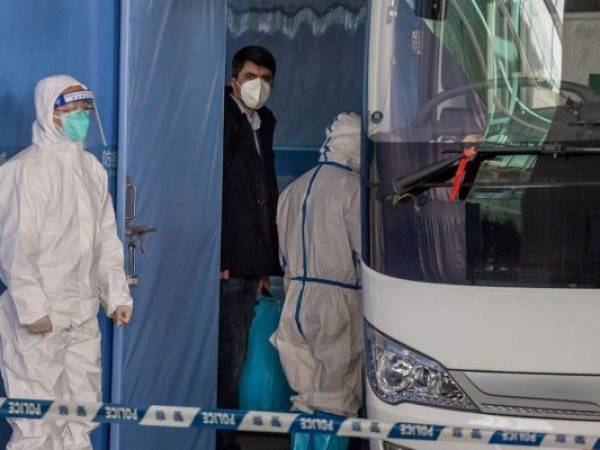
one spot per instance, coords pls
(75, 125)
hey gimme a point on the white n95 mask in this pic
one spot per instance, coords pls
(255, 93)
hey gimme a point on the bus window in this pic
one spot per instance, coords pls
(500, 73)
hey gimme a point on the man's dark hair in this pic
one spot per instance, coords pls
(253, 53)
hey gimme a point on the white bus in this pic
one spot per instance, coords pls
(482, 295)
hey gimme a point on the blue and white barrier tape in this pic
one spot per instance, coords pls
(270, 422)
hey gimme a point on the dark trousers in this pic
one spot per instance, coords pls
(238, 296)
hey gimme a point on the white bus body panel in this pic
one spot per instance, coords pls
(496, 329)
(380, 411)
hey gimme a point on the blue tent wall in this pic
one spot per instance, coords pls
(319, 48)
(38, 39)
(170, 140)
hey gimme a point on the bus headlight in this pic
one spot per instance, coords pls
(397, 374)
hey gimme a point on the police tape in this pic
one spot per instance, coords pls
(272, 422)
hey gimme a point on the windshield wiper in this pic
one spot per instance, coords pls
(550, 148)
(413, 180)
(584, 123)
(543, 149)
(420, 179)
(487, 185)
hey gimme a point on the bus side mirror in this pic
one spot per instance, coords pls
(431, 9)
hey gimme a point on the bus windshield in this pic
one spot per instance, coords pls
(517, 82)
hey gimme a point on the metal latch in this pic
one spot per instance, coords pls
(392, 11)
(133, 233)
(130, 200)
(137, 232)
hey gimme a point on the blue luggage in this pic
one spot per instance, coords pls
(263, 385)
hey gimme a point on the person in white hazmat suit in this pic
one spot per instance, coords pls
(320, 334)
(60, 257)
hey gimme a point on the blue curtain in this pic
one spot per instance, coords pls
(319, 48)
(172, 72)
(38, 39)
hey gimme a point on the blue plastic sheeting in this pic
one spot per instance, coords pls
(319, 74)
(38, 39)
(290, 7)
(319, 48)
(172, 71)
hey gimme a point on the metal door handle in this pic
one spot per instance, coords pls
(133, 234)
(130, 200)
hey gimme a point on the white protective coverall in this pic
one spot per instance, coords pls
(59, 256)
(320, 334)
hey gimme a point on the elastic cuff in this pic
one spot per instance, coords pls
(113, 306)
(32, 318)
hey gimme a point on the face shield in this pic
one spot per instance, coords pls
(76, 115)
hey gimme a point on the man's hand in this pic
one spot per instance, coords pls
(41, 326)
(263, 283)
(122, 315)
(224, 275)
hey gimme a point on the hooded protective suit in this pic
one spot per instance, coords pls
(59, 256)
(320, 337)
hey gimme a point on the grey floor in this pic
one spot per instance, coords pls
(264, 442)
(279, 442)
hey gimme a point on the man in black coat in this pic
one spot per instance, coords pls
(249, 245)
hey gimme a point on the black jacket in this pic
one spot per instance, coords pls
(249, 244)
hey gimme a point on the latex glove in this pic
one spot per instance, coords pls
(122, 315)
(41, 326)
